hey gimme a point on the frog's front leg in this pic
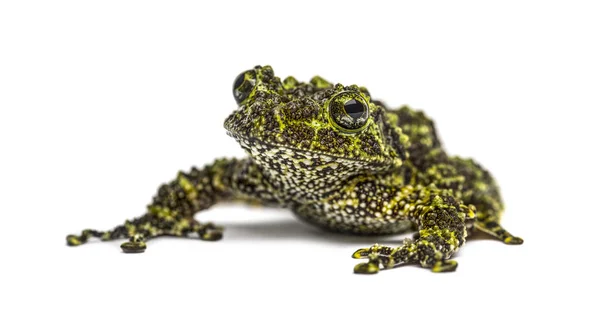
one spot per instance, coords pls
(442, 223)
(172, 210)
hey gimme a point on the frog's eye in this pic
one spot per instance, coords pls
(349, 111)
(243, 85)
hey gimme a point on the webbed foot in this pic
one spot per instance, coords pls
(142, 229)
(411, 252)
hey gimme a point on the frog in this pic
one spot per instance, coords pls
(337, 159)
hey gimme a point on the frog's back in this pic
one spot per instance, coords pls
(419, 128)
(429, 163)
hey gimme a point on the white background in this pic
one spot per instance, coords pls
(100, 102)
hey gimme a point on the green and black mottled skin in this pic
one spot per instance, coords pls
(338, 160)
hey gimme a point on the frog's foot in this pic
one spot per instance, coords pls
(420, 251)
(149, 226)
(208, 231)
(493, 228)
(178, 227)
(377, 255)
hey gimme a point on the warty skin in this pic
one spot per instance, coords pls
(338, 160)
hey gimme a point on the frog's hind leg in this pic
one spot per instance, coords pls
(173, 207)
(481, 190)
(490, 224)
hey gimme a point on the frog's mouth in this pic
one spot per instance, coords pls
(253, 142)
(303, 158)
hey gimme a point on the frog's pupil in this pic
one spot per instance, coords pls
(354, 108)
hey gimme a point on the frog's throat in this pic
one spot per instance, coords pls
(302, 175)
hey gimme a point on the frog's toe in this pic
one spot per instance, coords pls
(493, 228)
(133, 247)
(366, 268)
(369, 252)
(513, 240)
(212, 235)
(210, 232)
(74, 240)
(444, 266)
(361, 253)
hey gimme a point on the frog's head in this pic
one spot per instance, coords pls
(313, 124)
